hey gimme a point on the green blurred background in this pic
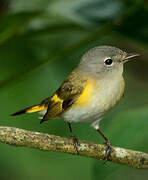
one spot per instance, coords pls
(41, 41)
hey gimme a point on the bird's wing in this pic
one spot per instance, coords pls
(65, 96)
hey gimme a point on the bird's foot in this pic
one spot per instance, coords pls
(108, 150)
(75, 142)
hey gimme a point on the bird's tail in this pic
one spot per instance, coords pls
(36, 108)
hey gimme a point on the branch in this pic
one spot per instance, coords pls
(46, 142)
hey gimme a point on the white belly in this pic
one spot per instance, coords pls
(103, 99)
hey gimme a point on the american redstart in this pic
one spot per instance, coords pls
(89, 92)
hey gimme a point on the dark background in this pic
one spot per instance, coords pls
(41, 41)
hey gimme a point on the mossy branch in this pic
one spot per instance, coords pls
(46, 142)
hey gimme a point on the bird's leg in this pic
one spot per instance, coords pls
(75, 141)
(108, 145)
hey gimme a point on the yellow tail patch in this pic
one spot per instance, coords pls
(36, 108)
(31, 109)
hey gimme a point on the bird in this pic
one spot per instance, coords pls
(94, 87)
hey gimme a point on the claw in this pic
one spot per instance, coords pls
(75, 142)
(108, 150)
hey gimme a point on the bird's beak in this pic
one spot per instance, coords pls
(130, 55)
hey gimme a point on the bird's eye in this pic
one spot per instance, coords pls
(108, 62)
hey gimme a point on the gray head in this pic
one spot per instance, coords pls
(103, 60)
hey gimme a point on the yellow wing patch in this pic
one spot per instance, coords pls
(86, 95)
(56, 99)
(71, 93)
(54, 108)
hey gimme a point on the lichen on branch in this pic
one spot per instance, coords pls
(46, 142)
